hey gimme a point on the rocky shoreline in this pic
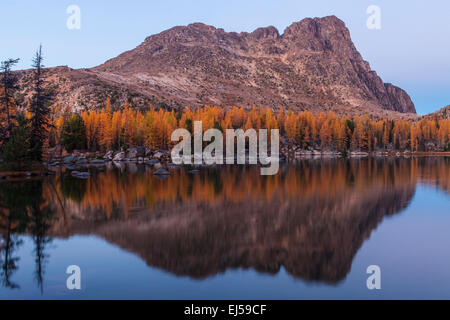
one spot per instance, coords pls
(78, 163)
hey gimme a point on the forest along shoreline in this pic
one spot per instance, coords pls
(78, 141)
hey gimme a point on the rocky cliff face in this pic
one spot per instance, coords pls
(313, 65)
(443, 113)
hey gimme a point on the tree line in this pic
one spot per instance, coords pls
(104, 129)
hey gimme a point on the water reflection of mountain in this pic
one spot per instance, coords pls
(310, 219)
(315, 239)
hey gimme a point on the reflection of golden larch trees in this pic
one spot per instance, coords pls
(110, 191)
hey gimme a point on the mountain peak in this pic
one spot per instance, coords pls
(313, 65)
(263, 33)
(443, 113)
(315, 24)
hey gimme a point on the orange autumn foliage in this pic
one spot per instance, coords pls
(107, 129)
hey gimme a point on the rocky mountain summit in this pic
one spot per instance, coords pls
(443, 113)
(313, 65)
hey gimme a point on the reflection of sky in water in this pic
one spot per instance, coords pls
(412, 249)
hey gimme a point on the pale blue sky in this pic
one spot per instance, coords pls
(411, 50)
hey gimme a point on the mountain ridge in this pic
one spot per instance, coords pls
(443, 113)
(313, 65)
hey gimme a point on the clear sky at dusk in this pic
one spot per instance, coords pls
(412, 49)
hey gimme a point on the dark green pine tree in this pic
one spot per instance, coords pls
(39, 108)
(9, 85)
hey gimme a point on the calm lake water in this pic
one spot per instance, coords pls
(309, 232)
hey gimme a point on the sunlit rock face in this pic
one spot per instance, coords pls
(312, 65)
